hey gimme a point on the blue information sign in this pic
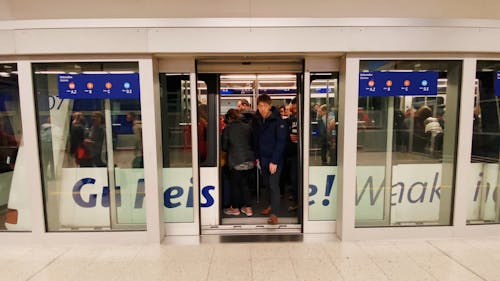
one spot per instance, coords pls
(497, 84)
(398, 83)
(99, 86)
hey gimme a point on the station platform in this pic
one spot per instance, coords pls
(290, 257)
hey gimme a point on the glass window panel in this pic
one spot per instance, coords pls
(208, 85)
(177, 147)
(484, 195)
(15, 198)
(323, 110)
(91, 149)
(406, 150)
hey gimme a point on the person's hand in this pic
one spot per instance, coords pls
(293, 137)
(273, 168)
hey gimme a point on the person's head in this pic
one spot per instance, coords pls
(77, 118)
(231, 115)
(423, 112)
(243, 105)
(97, 118)
(293, 106)
(203, 111)
(131, 116)
(323, 110)
(283, 111)
(264, 105)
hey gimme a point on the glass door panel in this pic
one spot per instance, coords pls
(484, 194)
(93, 111)
(407, 138)
(177, 148)
(323, 127)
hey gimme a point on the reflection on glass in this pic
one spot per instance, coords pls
(177, 147)
(91, 152)
(208, 85)
(323, 110)
(406, 150)
(484, 193)
(15, 198)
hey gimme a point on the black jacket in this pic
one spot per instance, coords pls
(271, 137)
(237, 142)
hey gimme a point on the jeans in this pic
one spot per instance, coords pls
(272, 182)
(239, 187)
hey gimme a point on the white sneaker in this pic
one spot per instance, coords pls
(247, 211)
(232, 211)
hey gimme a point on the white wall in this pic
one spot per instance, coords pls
(52, 9)
(195, 36)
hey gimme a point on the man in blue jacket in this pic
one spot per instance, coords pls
(271, 134)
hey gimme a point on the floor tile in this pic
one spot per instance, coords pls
(212, 260)
(229, 270)
(315, 269)
(273, 269)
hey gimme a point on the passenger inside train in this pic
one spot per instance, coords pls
(260, 152)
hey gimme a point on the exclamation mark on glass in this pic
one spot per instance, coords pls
(329, 184)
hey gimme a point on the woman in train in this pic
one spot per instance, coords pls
(95, 141)
(237, 142)
(78, 149)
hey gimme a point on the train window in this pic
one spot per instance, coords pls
(407, 142)
(90, 134)
(484, 196)
(15, 199)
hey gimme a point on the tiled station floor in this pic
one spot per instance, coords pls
(241, 258)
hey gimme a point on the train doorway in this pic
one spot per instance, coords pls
(224, 88)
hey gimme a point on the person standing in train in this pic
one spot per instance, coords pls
(138, 161)
(247, 115)
(78, 149)
(245, 109)
(95, 140)
(271, 135)
(292, 153)
(237, 142)
(323, 133)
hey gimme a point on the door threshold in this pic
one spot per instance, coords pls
(257, 220)
(237, 229)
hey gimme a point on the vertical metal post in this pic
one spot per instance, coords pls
(110, 161)
(388, 162)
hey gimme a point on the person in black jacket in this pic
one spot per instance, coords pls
(323, 133)
(271, 134)
(247, 114)
(237, 142)
(292, 154)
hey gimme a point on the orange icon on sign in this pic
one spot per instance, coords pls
(388, 83)
(90, 85)
(406, 83)
(108, 85)
(71, 85)
(371, 83)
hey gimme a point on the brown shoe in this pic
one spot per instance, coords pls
(266, 211)
(273, 219)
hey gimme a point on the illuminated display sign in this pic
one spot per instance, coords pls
(398, 83)
(99, 86)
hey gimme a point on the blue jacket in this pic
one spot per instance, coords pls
(270, 137)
